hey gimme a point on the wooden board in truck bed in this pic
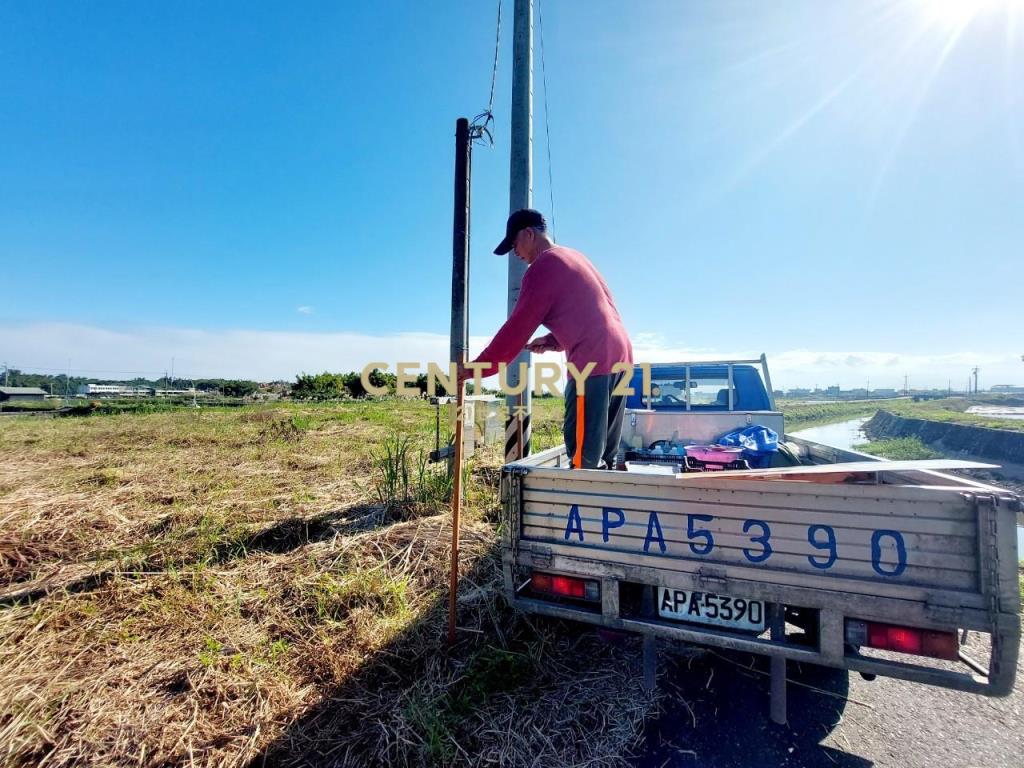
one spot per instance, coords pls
(847, 467)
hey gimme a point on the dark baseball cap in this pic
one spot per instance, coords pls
(522, 219)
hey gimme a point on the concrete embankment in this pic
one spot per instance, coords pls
(996, 444)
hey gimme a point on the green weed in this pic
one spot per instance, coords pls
(335, 596)
(210, 651)
(401, 478)
(900, 448)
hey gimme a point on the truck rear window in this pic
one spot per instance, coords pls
(703, 392)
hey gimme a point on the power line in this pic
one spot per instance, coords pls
(547, 129)
(482, 124)
(494, 69)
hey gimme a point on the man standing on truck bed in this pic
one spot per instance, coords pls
(564, 291)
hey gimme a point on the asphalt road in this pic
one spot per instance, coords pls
(716, 714)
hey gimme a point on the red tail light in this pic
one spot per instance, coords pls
(890, 637)
(565, 586)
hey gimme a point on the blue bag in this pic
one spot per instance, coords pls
(758, 443)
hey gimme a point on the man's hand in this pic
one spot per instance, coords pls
(539, 346)
(469, 372)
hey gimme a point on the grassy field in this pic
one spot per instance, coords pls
(226, 587)
(234, 586)
(25, 406)
(952, 410)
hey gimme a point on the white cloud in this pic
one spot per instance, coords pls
(304, 310)
(884, 369)
(239, 353)
(268, 355)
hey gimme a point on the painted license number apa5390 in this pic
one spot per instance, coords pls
(708, 608)
(818, 548)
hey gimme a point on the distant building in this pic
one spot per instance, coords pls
(113, 390)
(1006, 389)
(123, 390)
(797, 392)
(22, 393)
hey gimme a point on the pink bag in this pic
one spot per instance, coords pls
(720, 454)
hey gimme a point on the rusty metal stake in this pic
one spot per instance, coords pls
(456, 509)
(777, 627)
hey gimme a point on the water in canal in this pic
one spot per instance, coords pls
(998, 411)
(845, 434)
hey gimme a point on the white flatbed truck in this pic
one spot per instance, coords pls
(839, 559)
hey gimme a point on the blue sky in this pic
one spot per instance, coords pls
(262, 188)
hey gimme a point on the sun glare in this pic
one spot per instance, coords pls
(958, 13)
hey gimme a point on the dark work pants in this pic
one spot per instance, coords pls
(602, 420)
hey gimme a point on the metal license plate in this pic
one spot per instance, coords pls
(709, 608)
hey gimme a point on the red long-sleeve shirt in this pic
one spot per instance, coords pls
(563, 291)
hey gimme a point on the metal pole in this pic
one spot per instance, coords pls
(517, 425)
(460, 244)
(777, 680)
(459, 339)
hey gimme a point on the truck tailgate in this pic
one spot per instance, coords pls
(886, 540)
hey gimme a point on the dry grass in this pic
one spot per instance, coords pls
(217, 588)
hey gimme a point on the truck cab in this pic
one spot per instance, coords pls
(694, 403)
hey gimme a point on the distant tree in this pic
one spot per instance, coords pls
(327, 386)
(239, 388)
(321, 386)
(380, 378)
(353, 384)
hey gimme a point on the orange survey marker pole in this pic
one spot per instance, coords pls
(577, 459)
(456, 510)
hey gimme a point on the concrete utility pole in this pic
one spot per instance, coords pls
(517, 426)
(974, 372)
